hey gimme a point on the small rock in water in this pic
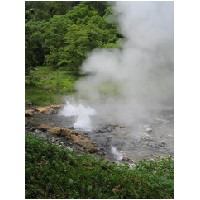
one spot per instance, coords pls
(85, 133)
(109, 129)
(148, 130)
(162, 144)
(103, 130)
(109, 138)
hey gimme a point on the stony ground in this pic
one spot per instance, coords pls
(152, 138)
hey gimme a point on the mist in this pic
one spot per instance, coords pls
(128, 84)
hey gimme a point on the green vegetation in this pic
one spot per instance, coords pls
(63, 39)
(45, 86)
(53, 172)
(58, 37)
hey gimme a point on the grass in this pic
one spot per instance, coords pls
(53, 172)
(45, 86)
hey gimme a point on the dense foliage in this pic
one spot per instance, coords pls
(47, 86)
(53, 172)
(60, 34)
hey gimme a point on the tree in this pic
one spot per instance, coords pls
(60, 34)
(73, 35)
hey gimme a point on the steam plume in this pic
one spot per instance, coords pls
(128, 83)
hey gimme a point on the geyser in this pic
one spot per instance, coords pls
(81, 113)
(127, 84)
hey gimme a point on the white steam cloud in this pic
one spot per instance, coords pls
(128, 83)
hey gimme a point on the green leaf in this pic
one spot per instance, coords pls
(90, 187)
(71, 181)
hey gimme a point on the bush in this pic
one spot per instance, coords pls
(53, 172)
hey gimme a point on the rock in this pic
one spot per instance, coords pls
(43, 127)
(37, 131)
(52, 139)
(103, 153)
(113, 125)
(32, 129)
(70, 149)
(95, 144)
(148, 130)
(29, 112)
(109, 129)
(85, 133)
(109, 138)
(132, 165)
(162, 144)
(101, 131)
(78, 139)
(92, 149)
(27, 115)
(52, 109)
(126, 159)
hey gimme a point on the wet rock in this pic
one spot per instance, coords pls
(148, 130)
(109, 138)
(102, 131)
(146, 138)
(113, 126)
(126, 159)
(109, 129)
(151, 144)
(71, 127)
(85, 133)
(162, 144)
